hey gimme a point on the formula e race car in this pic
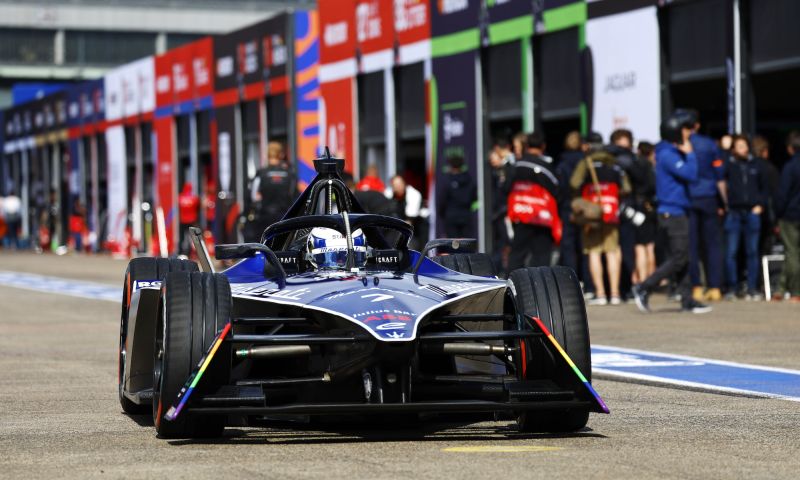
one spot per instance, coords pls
(331, 314)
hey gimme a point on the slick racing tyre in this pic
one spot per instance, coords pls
(479, 264)
(145, 268)
(194, 308)
(554, 296)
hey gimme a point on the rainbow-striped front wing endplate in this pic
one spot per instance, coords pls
(194, 378)
(571, 364)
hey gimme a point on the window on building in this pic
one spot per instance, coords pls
(107, 48)
(26, 45)
(698, 38)
(504, 81)
(558, 72)
(775, 38)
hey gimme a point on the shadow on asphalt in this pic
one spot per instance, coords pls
(284, 433)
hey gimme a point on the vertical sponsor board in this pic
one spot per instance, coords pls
(338, 66)
(117, 186)
(625, 74)
(412, 27)
(454, 16)
(374, 34)
(164, 136)
(454, 123)
(307, 92)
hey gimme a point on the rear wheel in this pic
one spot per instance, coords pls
(194, 308)
(554, 296)
(479, 264)
(141, 269)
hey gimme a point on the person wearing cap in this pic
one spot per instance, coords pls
(708, 197)
(676, 169)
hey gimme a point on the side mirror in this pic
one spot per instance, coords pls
(246, 250)
(446, 245)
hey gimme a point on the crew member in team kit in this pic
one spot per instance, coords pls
(532, 207)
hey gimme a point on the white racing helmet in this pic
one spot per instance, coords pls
(328, 249)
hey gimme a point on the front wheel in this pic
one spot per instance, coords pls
(149, 269)
(554, 296)
(194, 308)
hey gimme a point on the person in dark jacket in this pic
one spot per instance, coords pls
(787, 209)
(532, 207)
(676, 168)
(501, 161)
(454, 199)
(622, 148)
(643, 181)
(747, 196)
(571, 248)
(707, 195)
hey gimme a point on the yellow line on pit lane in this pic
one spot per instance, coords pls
(501, 449)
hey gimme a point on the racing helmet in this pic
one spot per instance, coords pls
(327, 249)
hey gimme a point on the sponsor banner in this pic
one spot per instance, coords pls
(201, 67)
(164, 148)
(250, 55)
(452, 16)
(184, 74)
(412, 21)
(337, 30)
(130, 89)
(337, 114)
(117, 186)
(307, 91)
(374, 25)
(275, 52)
(502, 10)
(625, 73)
(453, 119)
(74, 93)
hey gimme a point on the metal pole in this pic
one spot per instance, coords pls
(737, 65)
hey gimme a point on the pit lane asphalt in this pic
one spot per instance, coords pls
(60, 418)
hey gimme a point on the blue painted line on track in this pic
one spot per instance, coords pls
(61, 286)
(702, 373)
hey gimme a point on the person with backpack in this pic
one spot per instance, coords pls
(599, 180)
(533, 207)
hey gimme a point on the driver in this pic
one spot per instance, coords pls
(327, 249)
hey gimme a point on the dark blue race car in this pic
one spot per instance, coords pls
(332, 314)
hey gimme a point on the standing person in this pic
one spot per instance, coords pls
(77, 225)
(518, 142)
(707, 194)
(599, 179)
(787, 208)
(676, 168)
(408, 203)
(747, 195)
(12, 207)
(643, 183)
(273, 191)
(532, 207)
(371, 180)
(455, 198)
(189, 211)
(571, 249)
(501, 161)
(622, 149)
(769, 221)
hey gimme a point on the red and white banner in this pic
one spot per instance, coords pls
(375, 34)
(130, 89)
(337, 50)
(337, 126)
(412, 26)
(117, 219)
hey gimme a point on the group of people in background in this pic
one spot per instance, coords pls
(689, 213)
